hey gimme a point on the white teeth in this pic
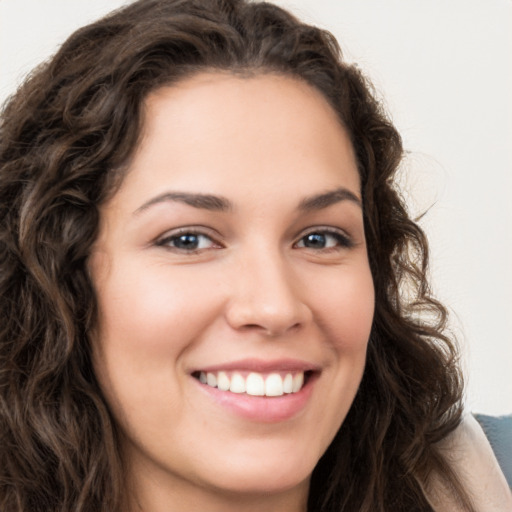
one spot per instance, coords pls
(254, 384)
(223, 381)
(298, 381)
(211, 379)
(237, 384)
(274, 385)
(288, 383)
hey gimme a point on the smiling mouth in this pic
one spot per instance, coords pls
(271, 384)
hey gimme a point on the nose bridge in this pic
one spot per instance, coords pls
(265, 294)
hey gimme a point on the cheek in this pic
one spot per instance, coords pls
(152, 310)
(148, 320)
(344, 311)
(346, 308)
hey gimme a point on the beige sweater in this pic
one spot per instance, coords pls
(477, 467)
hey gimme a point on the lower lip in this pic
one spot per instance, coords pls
(260, 408)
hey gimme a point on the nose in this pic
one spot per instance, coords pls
(266, 296)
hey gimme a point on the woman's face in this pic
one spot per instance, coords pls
(231, 266)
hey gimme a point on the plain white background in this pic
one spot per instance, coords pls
(444, 71)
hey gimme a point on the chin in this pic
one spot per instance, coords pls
(268, 476)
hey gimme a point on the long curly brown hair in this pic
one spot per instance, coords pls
(65, 137)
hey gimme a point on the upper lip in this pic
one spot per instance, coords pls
(261, 366)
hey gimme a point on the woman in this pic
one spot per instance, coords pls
(211, 289)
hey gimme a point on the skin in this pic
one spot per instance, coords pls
(254, 288)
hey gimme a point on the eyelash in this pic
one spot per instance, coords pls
(342, 240)
(167, 240)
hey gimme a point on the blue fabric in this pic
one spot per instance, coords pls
(498, 430)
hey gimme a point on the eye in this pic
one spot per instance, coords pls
(187, 241)
(324, 239)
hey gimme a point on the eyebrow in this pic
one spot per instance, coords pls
(221, 204)
(203, 201)
(326, 199)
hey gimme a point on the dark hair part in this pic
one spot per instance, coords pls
(64, 137)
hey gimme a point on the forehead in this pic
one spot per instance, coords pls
(218, 130)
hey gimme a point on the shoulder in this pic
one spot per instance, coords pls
(473, 460)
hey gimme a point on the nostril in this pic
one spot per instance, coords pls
(270, 331)
(252, 326)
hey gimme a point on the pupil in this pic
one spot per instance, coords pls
(315, 240)
(187, 242)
